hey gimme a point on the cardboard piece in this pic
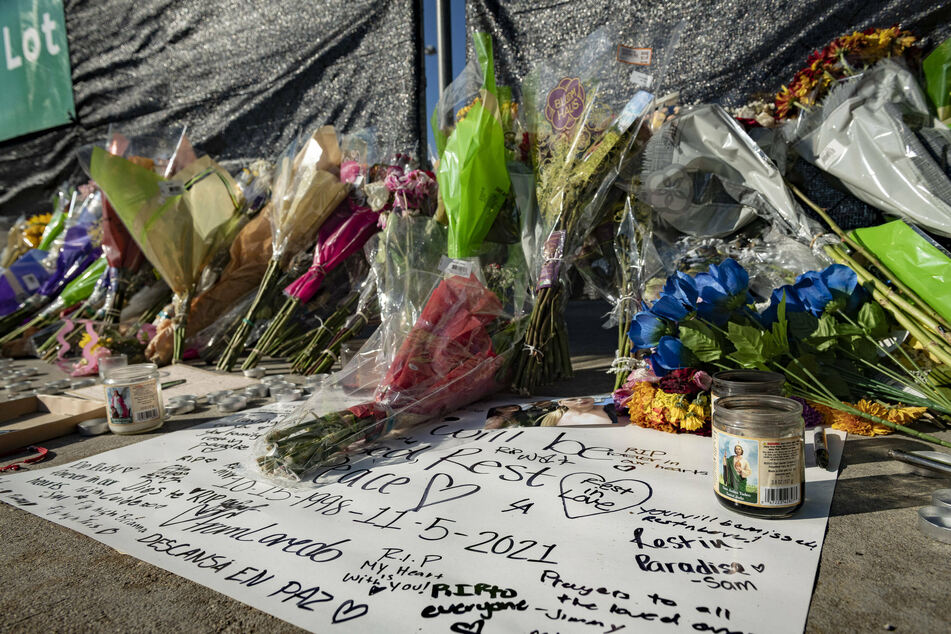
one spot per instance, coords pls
(36, 418)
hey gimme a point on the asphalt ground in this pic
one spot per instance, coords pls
(877, 571)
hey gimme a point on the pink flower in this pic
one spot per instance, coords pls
(350, 171)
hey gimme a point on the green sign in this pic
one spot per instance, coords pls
(37, 89)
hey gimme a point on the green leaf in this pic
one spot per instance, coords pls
(825, 335)
(862, 347)
(700, 339)
(873, 319)
(848, 330)
(802, 325)
(749, 344)
(773, 346)
(781, 327)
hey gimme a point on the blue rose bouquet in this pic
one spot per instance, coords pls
(837, 347)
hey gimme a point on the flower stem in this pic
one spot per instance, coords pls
(230, 356)
(274, 333)
(839, 255)
(870, 257)
(179, 328)
(825, 397)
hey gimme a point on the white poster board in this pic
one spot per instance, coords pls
(452, 527)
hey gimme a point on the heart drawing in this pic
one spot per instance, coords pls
(586, 494)
(442, 488)
(468, 628)
(348, 611)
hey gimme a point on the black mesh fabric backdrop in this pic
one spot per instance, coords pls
(730, 49)
(245, 77)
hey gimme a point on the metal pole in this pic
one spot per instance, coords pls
(420, 64)
(444, 43)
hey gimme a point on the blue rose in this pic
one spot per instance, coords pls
(646, 330)
(843, 285)
(669, 308)
(670, 355)
(793, 304)
(812, 292)
(683, 288)
(724, 289)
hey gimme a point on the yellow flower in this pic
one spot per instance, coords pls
(697, 416)
(893, 414)
(854, 424)
(461, 114)
(85, 340)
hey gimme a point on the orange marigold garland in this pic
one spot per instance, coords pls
(842, 57)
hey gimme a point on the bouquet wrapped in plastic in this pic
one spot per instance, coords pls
(459, 348)
(75, 291)
(344, 233)
(394, 189)
(405, 268)
(248, 257)
(179, 222)
(306, 191)
(73, 251)
(583, 110)
(874, 133)
(123, 254)
(704, 176)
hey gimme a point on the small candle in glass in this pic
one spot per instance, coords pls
(111, 362)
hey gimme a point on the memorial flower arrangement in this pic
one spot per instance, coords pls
(824, 332)
(76, 248)
(397, 187)
(306, 190)
(842, 57)
(344, 233)
(678, 402)
(179, 222)
(76, 291)
(581, 125)
(457, 350)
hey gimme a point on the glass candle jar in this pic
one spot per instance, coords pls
(134, 399)
(759, 461)
(740, 382)
(111, 362)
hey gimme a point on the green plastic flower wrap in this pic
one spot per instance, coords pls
(76, 291)
(937, 69)
(472, 176)
(914, 259)
(179, 222)
(57, 222)
(82, 287)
